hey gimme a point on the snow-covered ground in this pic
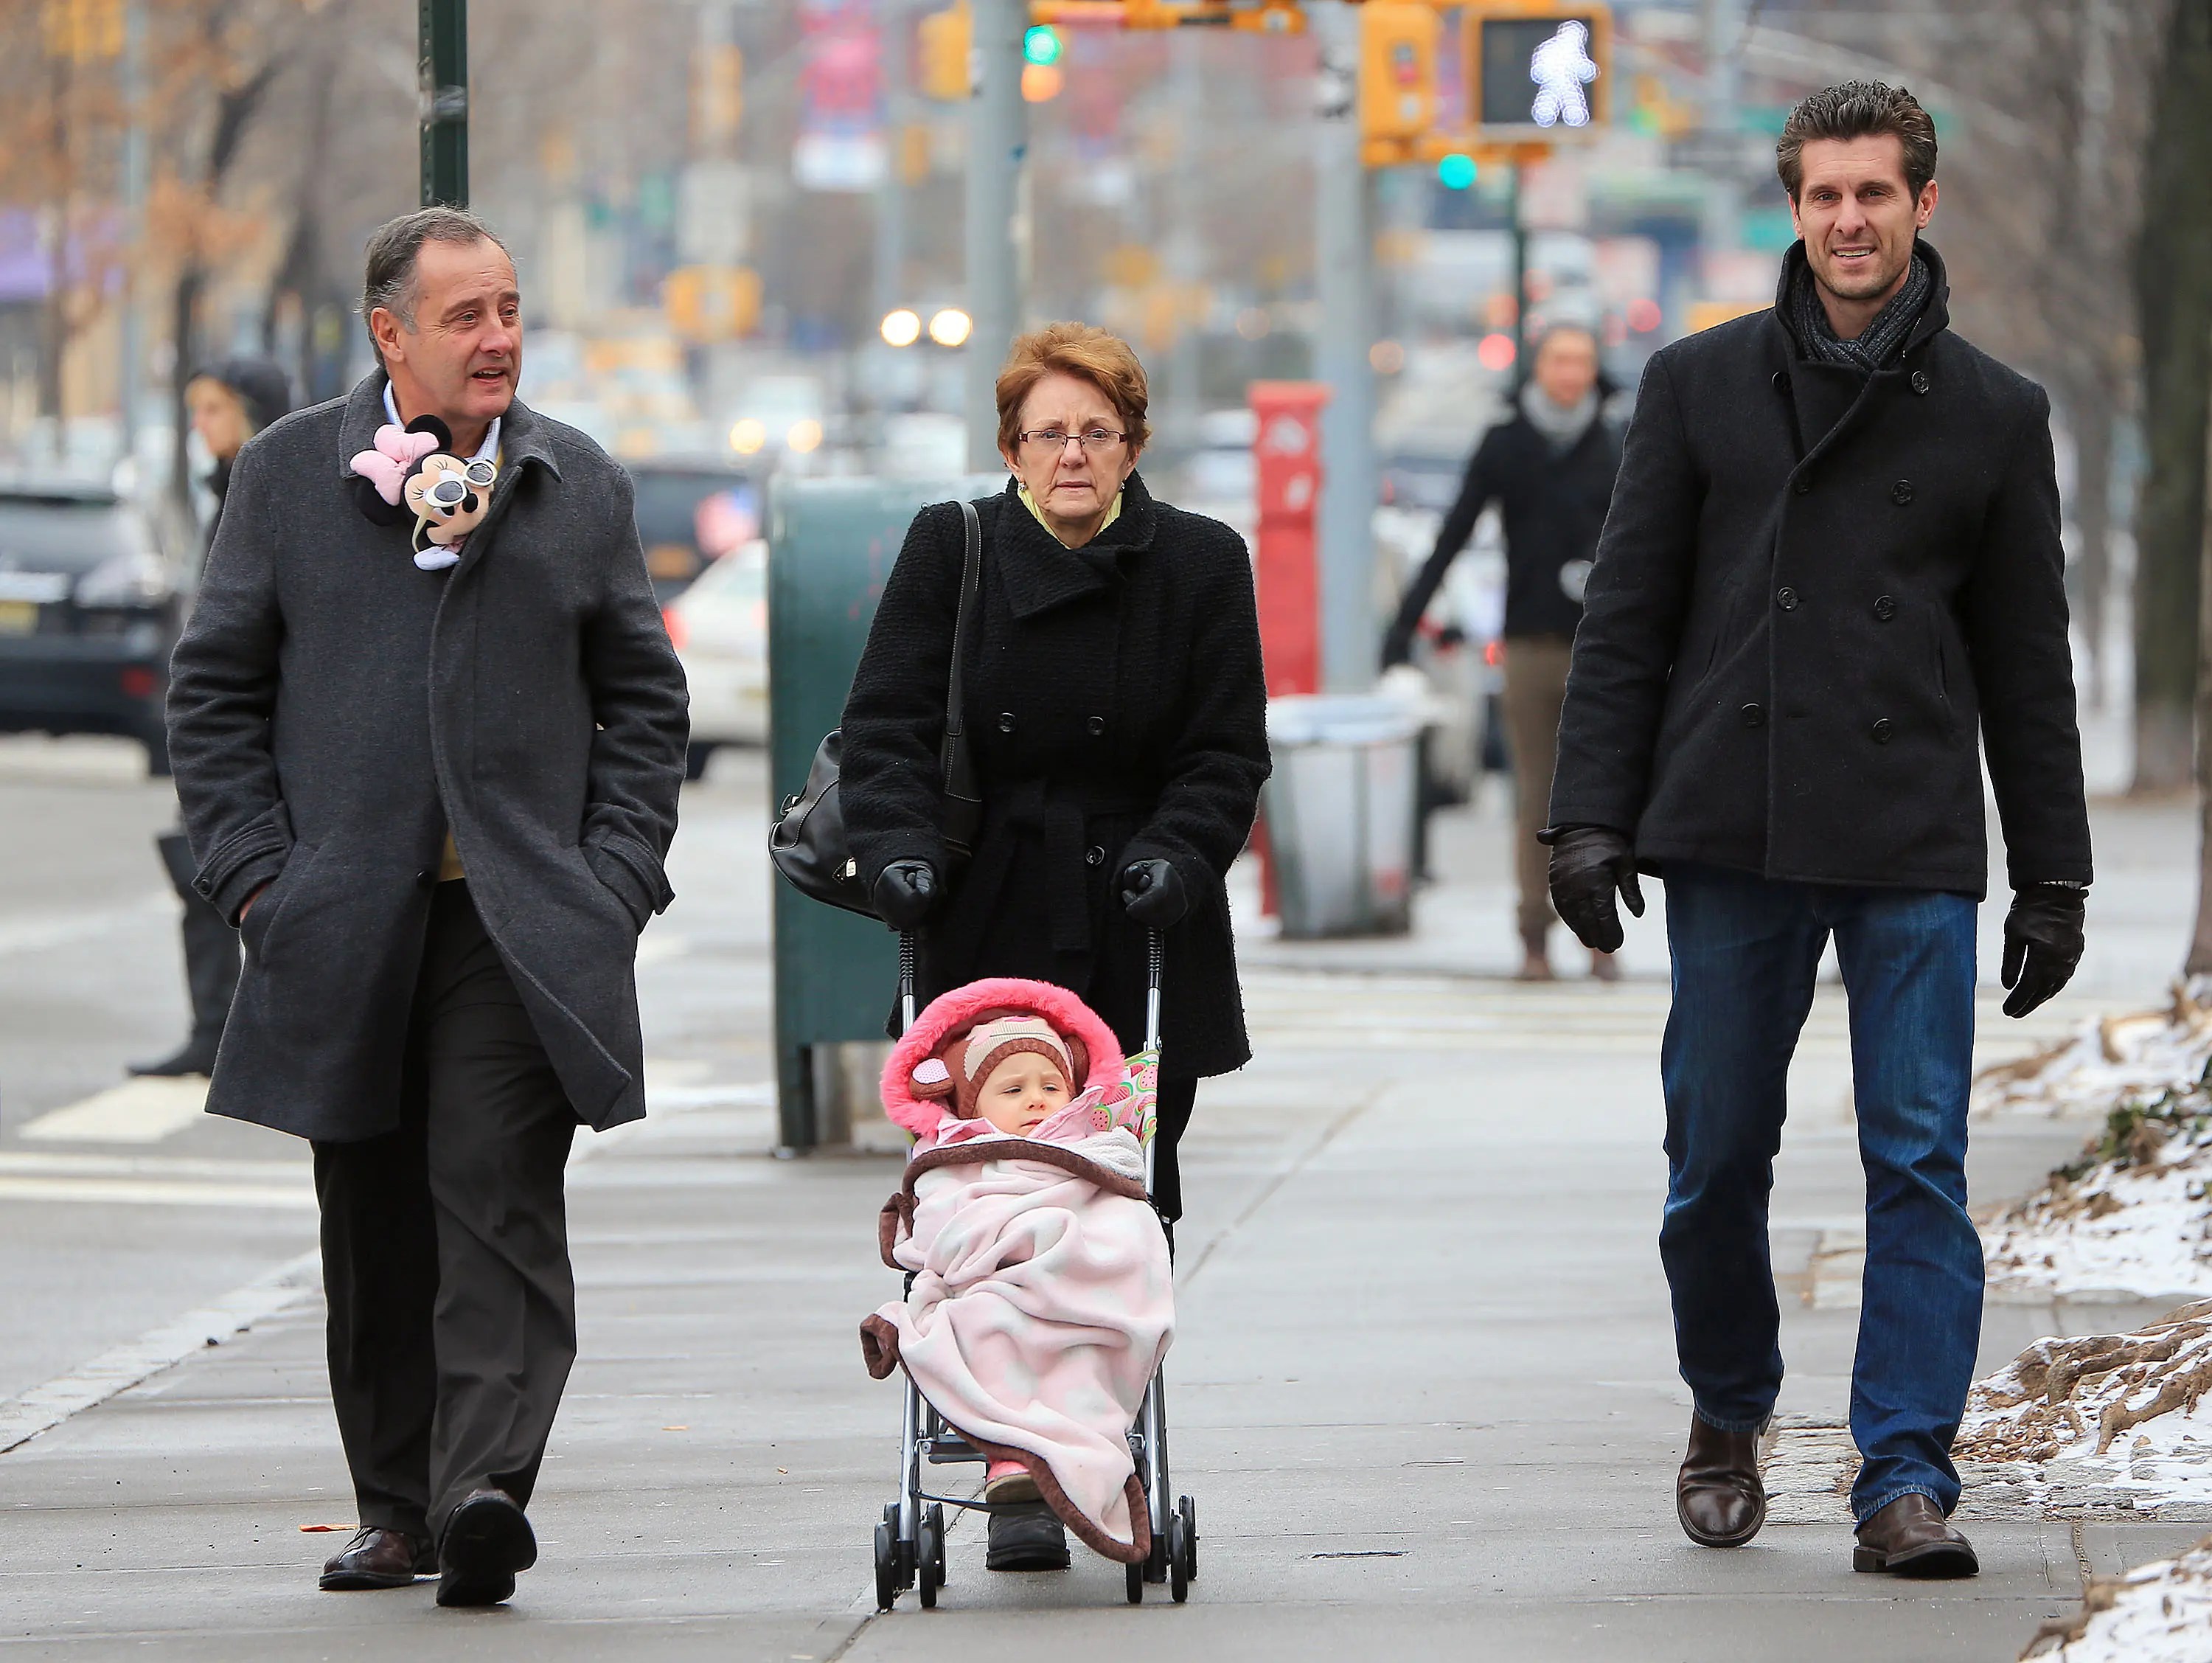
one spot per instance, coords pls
(2157, 1613)
(2136, 1055)
(2099, 1421)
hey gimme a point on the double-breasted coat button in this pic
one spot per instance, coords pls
(1786, 597)
(1881, 731)
(1920, 383)
(1754, 715)
(1884, 607)
(1005, 721)
(203, 886)
(1093, 855)
(425, 878)
(1901, 492)
(1097, 727)
(1781, 382)
(1803, 483)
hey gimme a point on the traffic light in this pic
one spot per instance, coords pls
(84, 31)
(1397, 70)
(944, 37)
(1538, 67)
(1041, 45)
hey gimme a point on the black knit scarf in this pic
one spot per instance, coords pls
(1882, 338)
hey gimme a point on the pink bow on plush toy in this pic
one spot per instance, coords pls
(396, 451)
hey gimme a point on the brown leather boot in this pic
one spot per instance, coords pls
(1910, 1537)
(1717, 1495)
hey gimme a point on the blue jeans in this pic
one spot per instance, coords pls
(1746, 950)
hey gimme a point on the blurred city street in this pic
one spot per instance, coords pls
(1423, 1385)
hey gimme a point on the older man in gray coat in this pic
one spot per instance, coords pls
(435, 793)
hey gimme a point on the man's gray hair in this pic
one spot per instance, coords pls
(395, 248)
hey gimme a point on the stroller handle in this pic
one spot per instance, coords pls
(1155, 958)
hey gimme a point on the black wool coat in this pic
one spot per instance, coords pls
(1553, 503)
(333, 710)
(1115, 698)
(1814, 588)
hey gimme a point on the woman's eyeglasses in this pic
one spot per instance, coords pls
(1052, 438)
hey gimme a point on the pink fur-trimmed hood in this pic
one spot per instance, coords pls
(954, 1012)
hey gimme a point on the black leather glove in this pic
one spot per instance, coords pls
(1588, 862)
(905, 893)
(2042, 943)
(1153, 892)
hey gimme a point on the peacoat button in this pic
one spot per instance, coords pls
(204, 885)
(1881, 731)
(1781, 382)
(1803, 485)
(1753, 716)
(1920, 383)
(425, 879)
(1901, 492)
(1093, 855)
(1884, 607)
(1096, 725)
(1005, 721)
(1786, 597)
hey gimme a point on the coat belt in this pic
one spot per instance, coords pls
(1052, 814)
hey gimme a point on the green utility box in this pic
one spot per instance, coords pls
(831, 545)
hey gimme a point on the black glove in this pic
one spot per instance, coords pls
(2042, 943)
(906, 893)
(1588, 862)
(1153, 892)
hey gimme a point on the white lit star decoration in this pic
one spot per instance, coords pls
(1561, 68)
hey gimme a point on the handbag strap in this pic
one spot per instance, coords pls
(959, 767)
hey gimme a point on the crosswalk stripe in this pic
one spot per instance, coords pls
(144, 1110)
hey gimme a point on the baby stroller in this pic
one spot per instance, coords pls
(910, 1540)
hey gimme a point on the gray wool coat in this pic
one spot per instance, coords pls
(333, 710)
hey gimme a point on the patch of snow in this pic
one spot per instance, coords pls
(2157, 1613)
(2136, 1221)
(2110, 1060)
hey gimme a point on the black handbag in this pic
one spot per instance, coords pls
(807, 841)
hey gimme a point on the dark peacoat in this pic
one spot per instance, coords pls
(1118, 710)
(1814, 588)
(333, 709)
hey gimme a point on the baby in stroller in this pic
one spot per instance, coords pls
(1042, 1297)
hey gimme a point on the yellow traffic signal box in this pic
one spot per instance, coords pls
(944, 37)
(1397, 70)
(1537, 68)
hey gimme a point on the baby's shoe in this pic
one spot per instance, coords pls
(1009, 1481)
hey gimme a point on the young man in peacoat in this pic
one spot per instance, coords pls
(436, 794)
(1115, 701)
(1831, 566)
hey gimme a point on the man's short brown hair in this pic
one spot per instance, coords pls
(1858, 109)
(1081, 349)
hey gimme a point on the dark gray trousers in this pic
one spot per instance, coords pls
(453, 1308)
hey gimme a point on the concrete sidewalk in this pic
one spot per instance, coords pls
(1424, 1391)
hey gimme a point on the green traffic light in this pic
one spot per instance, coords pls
(1041, 44)
(1456, 171)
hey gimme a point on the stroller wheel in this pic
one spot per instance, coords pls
(1189, 1509)
(1179, 1556)
(1136, 1575)
(1156, 1562)
(887, 1569)
(929, 1556)
(937, 1526)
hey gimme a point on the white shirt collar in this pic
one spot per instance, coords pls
(486, 452)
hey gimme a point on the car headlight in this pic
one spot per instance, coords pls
(127, 580)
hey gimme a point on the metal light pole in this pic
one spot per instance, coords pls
(442, 67)
(1345, 287)
(997, 139)
(134, 213)
(896, 23)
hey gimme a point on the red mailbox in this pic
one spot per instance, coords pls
(1287, 453)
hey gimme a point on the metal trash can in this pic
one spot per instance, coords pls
(1342, 806)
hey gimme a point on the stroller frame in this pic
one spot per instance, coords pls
(909, 1543)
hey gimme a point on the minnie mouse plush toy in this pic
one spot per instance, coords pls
(412, 471)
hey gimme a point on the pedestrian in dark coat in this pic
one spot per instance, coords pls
(1832, 562)
(438, 796)
(1549, 466)
(1114, 695)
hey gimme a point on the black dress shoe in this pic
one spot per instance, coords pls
(1718, 1496)
(377, 1559)
(197, 1057)
(487, 1540)
(1032, 1539)
(1911, 1537)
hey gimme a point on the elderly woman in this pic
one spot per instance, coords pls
(1112, 697)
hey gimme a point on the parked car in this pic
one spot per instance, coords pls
(88, 611)
(689, 513)
(720, 626)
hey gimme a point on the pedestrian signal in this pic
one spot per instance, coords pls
(1540, 69)
(1397, 69)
